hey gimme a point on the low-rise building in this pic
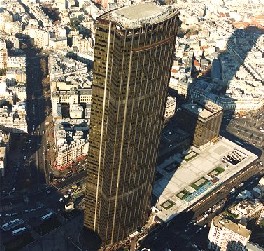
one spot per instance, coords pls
(40, 37)
(14, 119)
(71, 142)
(170, 108)
(246, 209)
(3, 55)
(58, 43)
(16, 61)
(227, 235)
(4, 149)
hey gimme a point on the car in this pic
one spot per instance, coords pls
(48, 192)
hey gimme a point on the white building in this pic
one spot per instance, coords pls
(72, 144)
(14, 119)
(227, 235)
(246, 209)
(4, 148)
(170, 108)
(2, 160)
(41, 37)
(16, 62)
(76, 111)
(3, 54)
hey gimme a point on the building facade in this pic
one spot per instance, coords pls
(202, 122)
(225, 235)
(3, 55)
(133, 56)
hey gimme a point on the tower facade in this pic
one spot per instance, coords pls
(133, 55)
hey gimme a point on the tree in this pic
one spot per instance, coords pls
(2, 72)
(76, 21)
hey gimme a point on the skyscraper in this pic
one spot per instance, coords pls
(133, 54)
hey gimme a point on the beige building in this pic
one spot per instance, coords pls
(4, 148)
(170, 108)
(17, 62)
(2, 160)
(225, 235)
(82, 45)
(72, 144)
(246, 209)
(58, 43)
(69, 153)
(41, 37)
(15, 75)
(14, 120)
(72, 94)
(3, 54)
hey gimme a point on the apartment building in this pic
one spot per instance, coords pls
(4, 149)
(14, 119)
(246, 209)
(226, 235)
(3, 54)
(71, 142)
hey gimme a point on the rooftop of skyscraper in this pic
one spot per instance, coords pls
(130, 17)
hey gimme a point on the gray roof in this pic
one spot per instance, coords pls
(134, 16)
(143, 10)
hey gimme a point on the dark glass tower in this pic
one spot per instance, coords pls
(133, 54)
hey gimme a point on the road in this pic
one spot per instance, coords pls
(187, 230)
(183, 233)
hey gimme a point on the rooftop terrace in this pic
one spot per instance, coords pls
(197, 173)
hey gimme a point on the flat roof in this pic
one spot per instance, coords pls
(196, 174)
(220, 222)
(198, 110)
(138, 11)
(134, 16)
(204, 111)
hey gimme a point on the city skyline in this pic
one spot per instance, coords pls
(70, 162)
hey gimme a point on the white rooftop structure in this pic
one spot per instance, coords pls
(135, 16)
